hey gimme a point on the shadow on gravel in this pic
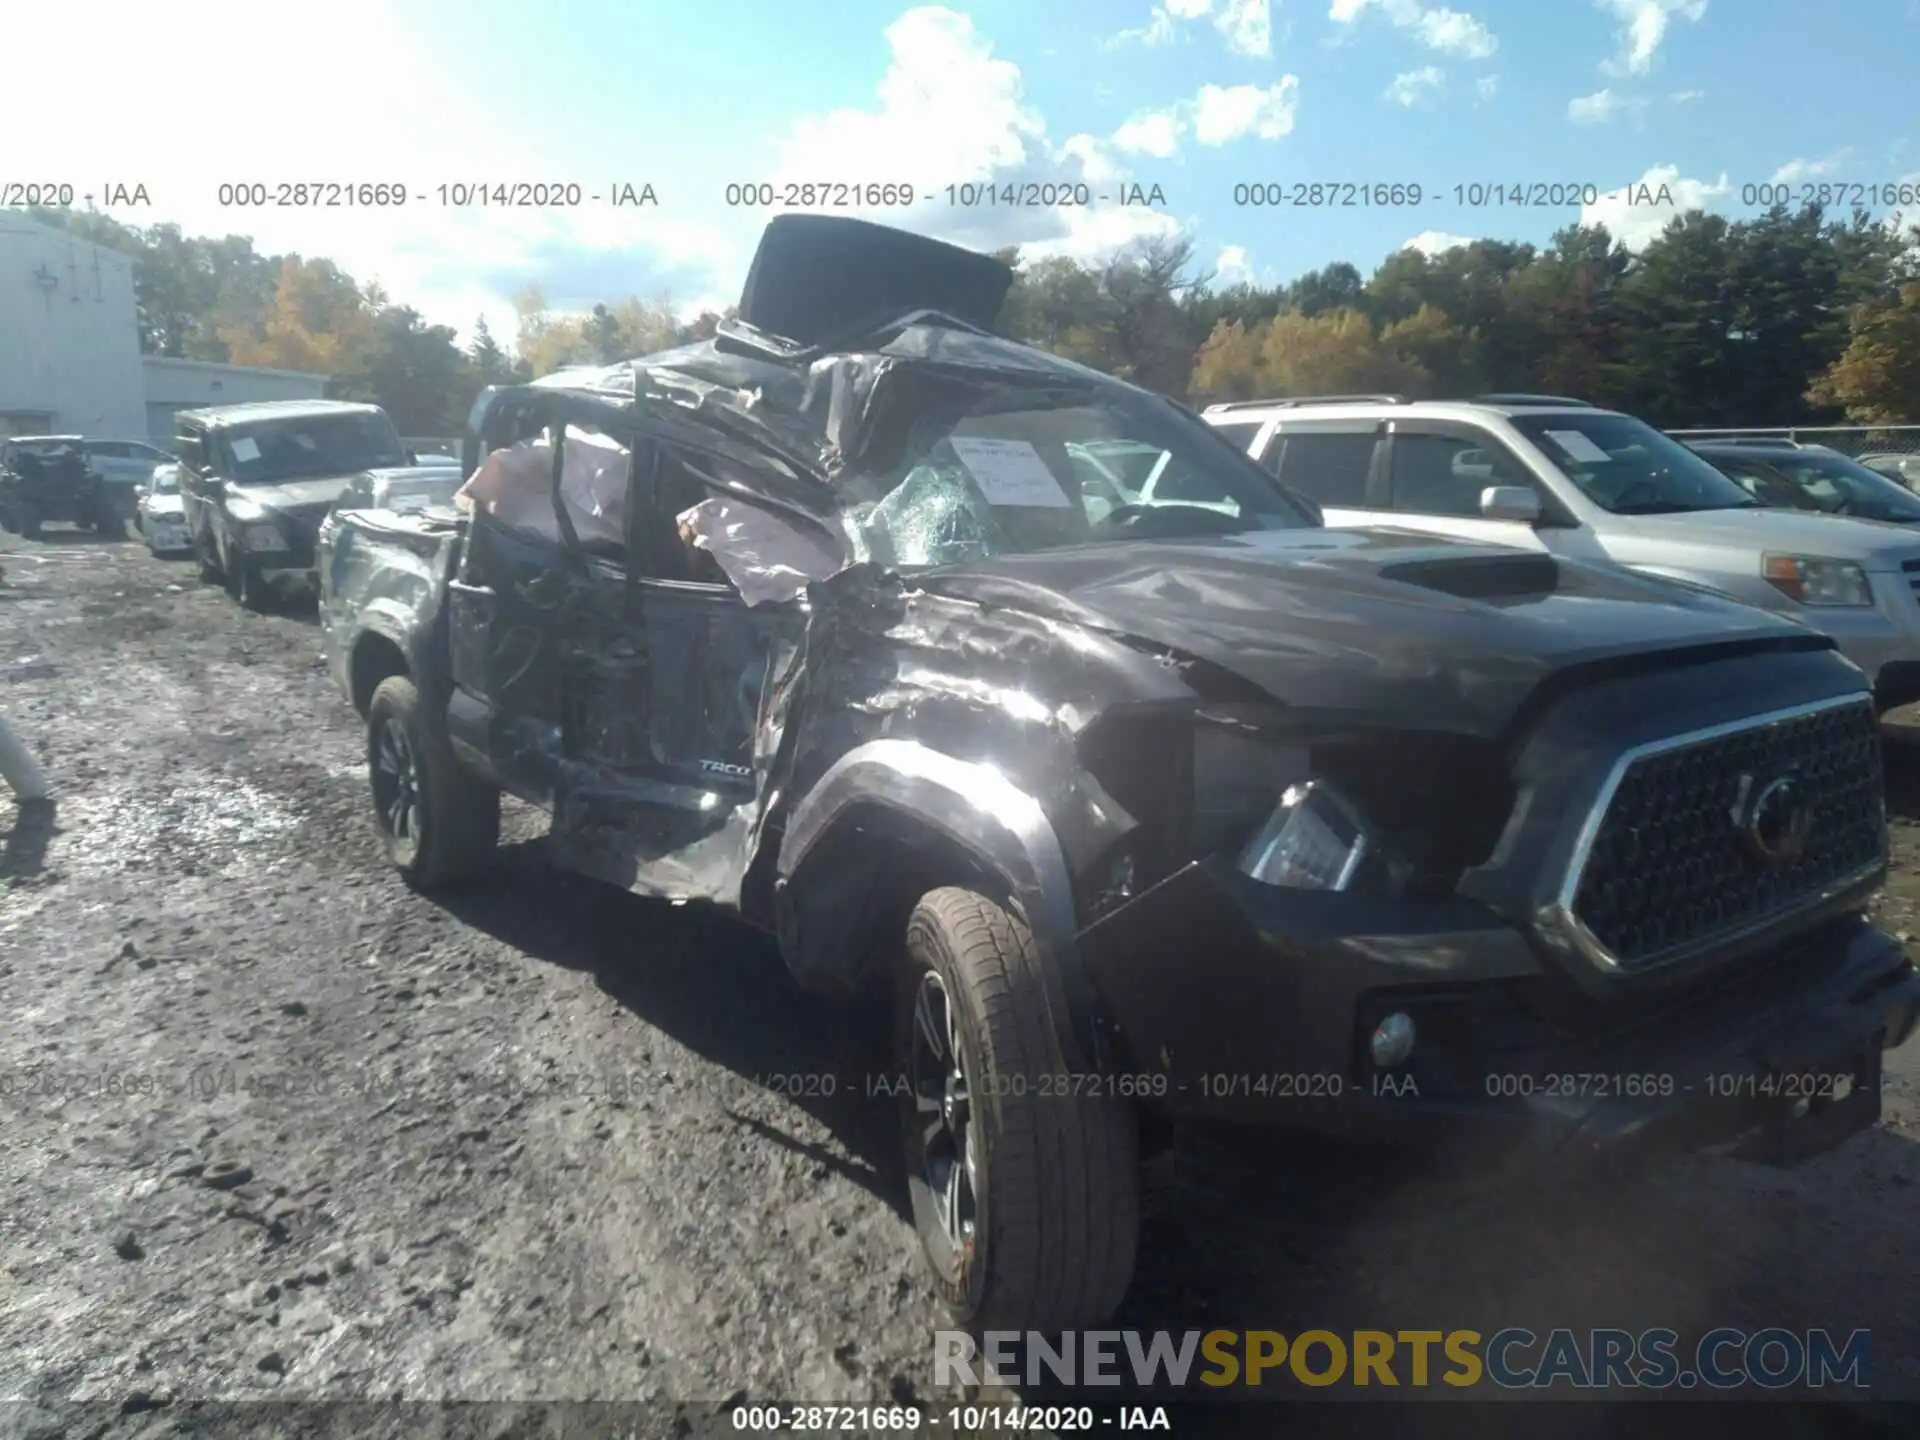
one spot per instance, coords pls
(65, 537)
(1900, 748)
(716, 987)
(25, 851)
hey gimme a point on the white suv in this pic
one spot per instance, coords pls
(1548, 473)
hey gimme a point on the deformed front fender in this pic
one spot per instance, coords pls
(917, 797)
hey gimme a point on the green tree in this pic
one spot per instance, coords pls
(487, 363)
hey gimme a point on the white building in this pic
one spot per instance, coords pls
(70, 361)
(172, 385)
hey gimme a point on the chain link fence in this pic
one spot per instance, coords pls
(1855, 440)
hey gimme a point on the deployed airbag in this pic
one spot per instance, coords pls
(515, 486)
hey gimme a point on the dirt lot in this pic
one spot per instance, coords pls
(321, 1136)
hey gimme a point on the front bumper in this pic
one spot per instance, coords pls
(166, 535)
(1884, 641)
(1221, 999)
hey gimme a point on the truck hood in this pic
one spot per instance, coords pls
(1672, 538)
(1437, 635)
(297, 495)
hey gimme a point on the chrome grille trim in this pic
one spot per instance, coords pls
(1562, 914)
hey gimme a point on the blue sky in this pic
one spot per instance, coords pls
(1704, 97)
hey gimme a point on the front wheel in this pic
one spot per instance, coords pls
(110, 525)
(1025, 1185)
(208, 555)
(249, 585)
(438, 822)
(29, 517)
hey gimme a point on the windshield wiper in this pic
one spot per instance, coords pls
(1673, 507)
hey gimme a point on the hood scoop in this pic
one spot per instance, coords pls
(1482, 577)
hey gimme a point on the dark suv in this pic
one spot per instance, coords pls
(1137, 811)
(50, 478)
(256, 481)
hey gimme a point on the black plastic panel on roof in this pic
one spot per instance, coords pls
(815, 277)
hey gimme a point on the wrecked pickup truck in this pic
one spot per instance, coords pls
(1192, 811)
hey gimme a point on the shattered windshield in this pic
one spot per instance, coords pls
(1046, 475)
(1627, 467)
(269, 451)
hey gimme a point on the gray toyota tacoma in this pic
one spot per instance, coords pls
(1193, 811)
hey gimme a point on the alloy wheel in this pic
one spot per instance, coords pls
(942, 1135)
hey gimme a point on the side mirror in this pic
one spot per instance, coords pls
(1510, 502)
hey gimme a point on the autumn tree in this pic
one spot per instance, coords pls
(320, 321)
(1876, 380)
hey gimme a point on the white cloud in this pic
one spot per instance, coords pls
(1643, 26)
(1636, 214)
(1682, 97)
(1217, 115)
(1155, 133)
(1245, 25)
(1794, 171)
(1436, 242)
(1232, 267)
(951, 112)
(1594, 109)
(450, 263)
(1487, 86)
(1453, 32)
(1411, 86)
(1224, 113)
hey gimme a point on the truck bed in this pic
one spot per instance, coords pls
(385, 572)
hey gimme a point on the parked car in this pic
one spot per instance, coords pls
(1198, 810)
(412, 487)
(1557, 476)
(161, 516)
(1814, 478)
(125, 462)
(48, 478)
(258, 479)
(1904, 468)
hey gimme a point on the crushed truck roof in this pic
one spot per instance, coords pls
(890, 325)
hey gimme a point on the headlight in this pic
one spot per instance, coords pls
(1314, 840)
(1814, 580)
(265, 537)
(246, 511)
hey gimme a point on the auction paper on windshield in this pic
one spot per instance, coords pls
(1009, 472)
(1579, 447)
(245, 449)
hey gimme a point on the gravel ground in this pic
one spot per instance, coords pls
(275, 1126)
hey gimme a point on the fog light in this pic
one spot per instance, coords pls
(1392, 1041)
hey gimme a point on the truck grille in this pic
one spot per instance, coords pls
(1679, 858)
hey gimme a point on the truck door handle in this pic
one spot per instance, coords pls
(466, 589)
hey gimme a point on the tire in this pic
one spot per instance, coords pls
(1055, 1193)
(249, 587)
(111, 525)
(29, 517)
(451, 825)
(208, 554)
(7, 522)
